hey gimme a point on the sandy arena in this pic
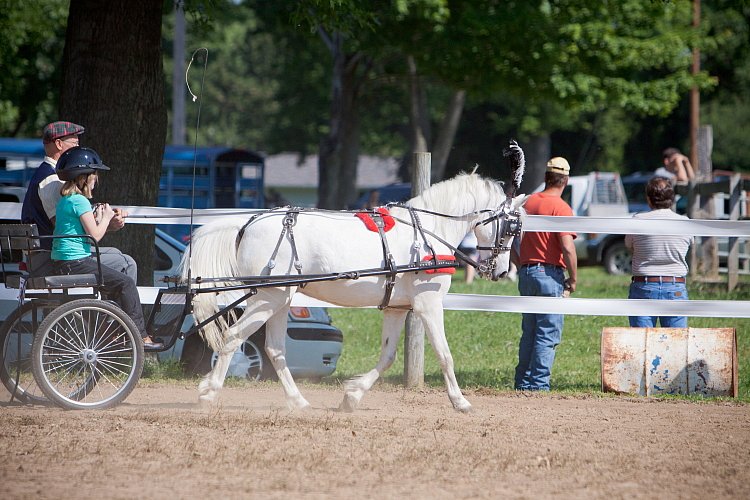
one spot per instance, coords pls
(160, 444)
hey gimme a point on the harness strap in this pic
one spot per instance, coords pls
(290, 219)
(461, 255)
(419, 231)
(242, 229)
(390, 264)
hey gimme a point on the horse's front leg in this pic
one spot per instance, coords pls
(355, 388)
(276, 350)
(430, 311)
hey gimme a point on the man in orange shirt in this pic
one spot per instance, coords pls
(542, 262)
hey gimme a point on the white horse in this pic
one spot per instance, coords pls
(334, 242)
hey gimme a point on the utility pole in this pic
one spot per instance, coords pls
(695, 101)
(178, 75)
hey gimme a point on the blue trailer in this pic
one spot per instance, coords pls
(224, 177)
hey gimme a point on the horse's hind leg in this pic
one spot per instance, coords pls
(276, 350)
(355, 389)
(431, 314)
(246, 325)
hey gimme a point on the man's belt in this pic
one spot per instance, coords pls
(658, 279)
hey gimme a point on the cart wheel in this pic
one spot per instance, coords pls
(16, 337)
(87, 354)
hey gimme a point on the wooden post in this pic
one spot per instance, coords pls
(414, 339)
(733, 255)
(709, 244)
(694, 199)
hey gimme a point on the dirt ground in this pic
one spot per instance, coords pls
(161, 444)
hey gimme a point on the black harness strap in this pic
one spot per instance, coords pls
(290, 220)
(242, 229)
(419, 231)
(390, 264)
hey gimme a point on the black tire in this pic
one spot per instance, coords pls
(87, 354)
(199, 359)
(196, 356)
(16, 339)
(617, 259)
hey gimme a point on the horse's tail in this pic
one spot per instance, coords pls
(213, 254)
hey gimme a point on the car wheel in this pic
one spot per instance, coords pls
(250, 362)
(196, 356)
(617, 259)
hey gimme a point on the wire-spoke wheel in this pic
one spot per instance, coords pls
(16, 338)
(87, 354)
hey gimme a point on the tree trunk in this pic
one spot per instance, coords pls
(329, 159)
(537, 153)
(339, 150)
(447, 134)
(113, 84)
(418, 115)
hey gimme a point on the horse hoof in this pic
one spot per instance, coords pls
(205, 400)
(463, 406)
(349, 404)
(298, 404)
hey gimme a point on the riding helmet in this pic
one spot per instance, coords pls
(78, 160)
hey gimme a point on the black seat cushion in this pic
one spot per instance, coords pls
(44, 282)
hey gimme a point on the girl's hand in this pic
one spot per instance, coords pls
(105, 213)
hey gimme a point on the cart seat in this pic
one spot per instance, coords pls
(48, 282)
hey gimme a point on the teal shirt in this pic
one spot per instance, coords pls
(68, 221)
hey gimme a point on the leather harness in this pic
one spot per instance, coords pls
(507, 223)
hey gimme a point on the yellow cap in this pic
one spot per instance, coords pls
(558, 165)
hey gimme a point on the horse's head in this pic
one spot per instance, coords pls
(495, 234)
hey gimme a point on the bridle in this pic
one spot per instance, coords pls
(507, 225)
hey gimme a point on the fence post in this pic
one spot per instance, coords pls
(709, 244)
(694, 199)
(733, 254)
(414, 338)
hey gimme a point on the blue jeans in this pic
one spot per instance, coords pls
(658, 291)
(541, 332)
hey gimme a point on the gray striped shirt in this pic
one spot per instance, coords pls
(659, 255)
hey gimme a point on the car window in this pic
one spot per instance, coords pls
(607, 192)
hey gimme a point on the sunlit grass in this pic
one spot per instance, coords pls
(485, 345)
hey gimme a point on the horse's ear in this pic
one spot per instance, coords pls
(519, 201)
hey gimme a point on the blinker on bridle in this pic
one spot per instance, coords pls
(507, 225)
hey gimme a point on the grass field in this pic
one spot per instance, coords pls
(485, 345)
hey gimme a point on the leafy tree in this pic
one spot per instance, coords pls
(31, 45)
(728, 57)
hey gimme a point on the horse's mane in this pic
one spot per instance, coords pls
(465, 193)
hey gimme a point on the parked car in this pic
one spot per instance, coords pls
(313, 343)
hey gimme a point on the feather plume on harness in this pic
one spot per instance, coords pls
(518, 164)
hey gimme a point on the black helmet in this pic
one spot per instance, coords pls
(78, 160)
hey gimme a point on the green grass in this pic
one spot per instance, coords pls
(485, 345)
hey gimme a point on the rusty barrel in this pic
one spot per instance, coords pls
(653, 361)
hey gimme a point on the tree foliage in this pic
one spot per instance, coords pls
(32, 35)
